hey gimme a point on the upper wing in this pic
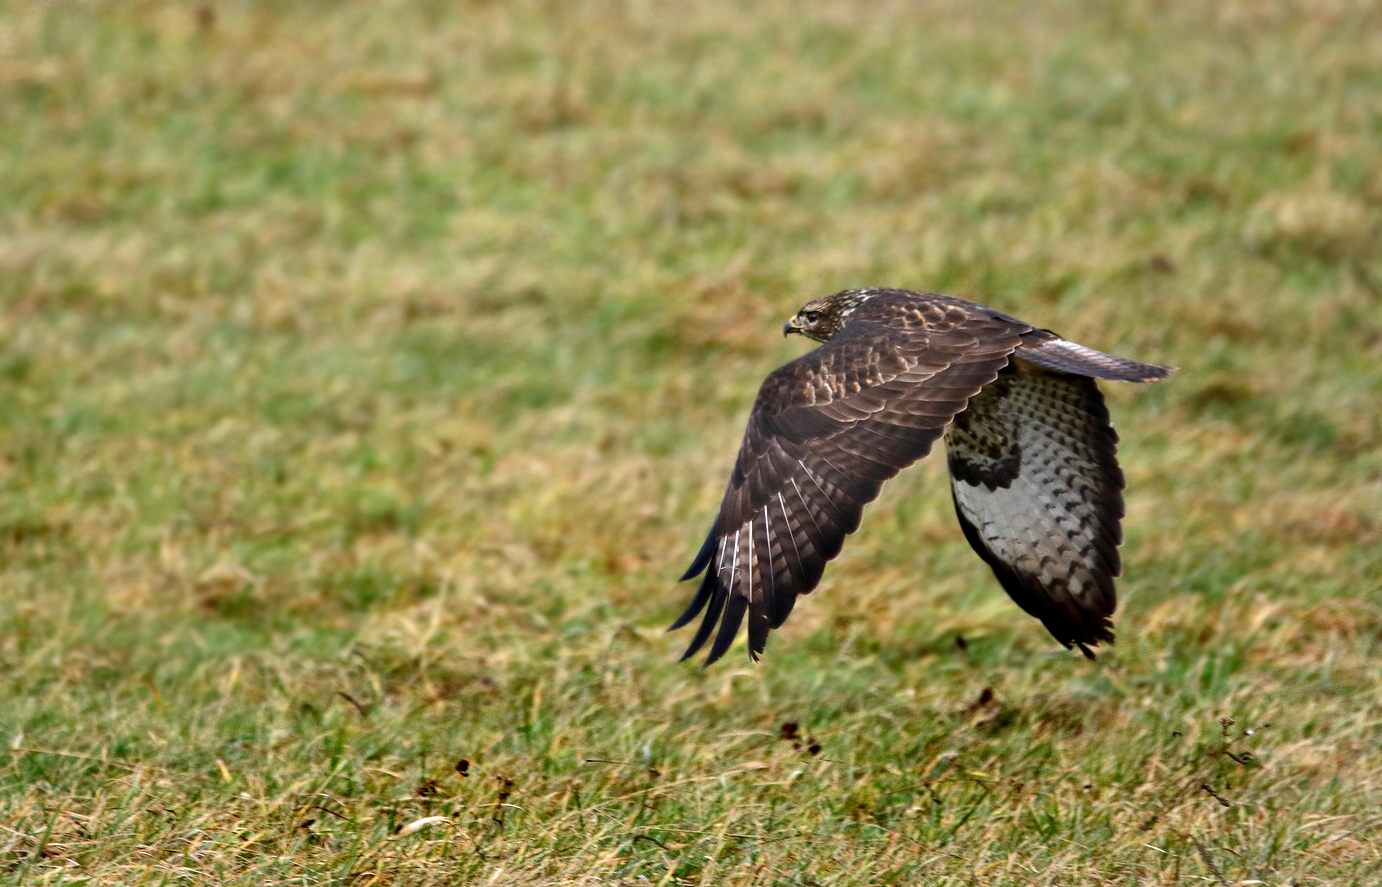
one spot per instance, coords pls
(825, 433)
(1038, 491)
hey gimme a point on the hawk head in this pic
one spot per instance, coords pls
(822, 318)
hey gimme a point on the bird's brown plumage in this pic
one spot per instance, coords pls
(1035, 480)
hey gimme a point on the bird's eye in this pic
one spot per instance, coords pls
(811, 316)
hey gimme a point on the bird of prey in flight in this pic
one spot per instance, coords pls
(1033, 460)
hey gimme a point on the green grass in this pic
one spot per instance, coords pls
(370, 372)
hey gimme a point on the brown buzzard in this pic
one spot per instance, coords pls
(1033, 467)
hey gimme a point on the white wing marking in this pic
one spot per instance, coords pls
(734, 569)
(750, 560)
(788, 522)
(768, 545)
(811, 474)
(806, 505)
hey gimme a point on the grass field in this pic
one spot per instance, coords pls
(370, 371)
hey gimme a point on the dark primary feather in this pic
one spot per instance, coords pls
(828, 429)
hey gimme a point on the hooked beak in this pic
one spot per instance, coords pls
(790, 327)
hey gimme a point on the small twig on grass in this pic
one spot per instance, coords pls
(1246, 758)
(1204, 854)
(645, 837)
(1223, 801)
(359, 706)
(329, 811)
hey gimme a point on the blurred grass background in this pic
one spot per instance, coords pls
(371, 371)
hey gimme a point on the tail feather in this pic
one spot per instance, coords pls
(1046, 349)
